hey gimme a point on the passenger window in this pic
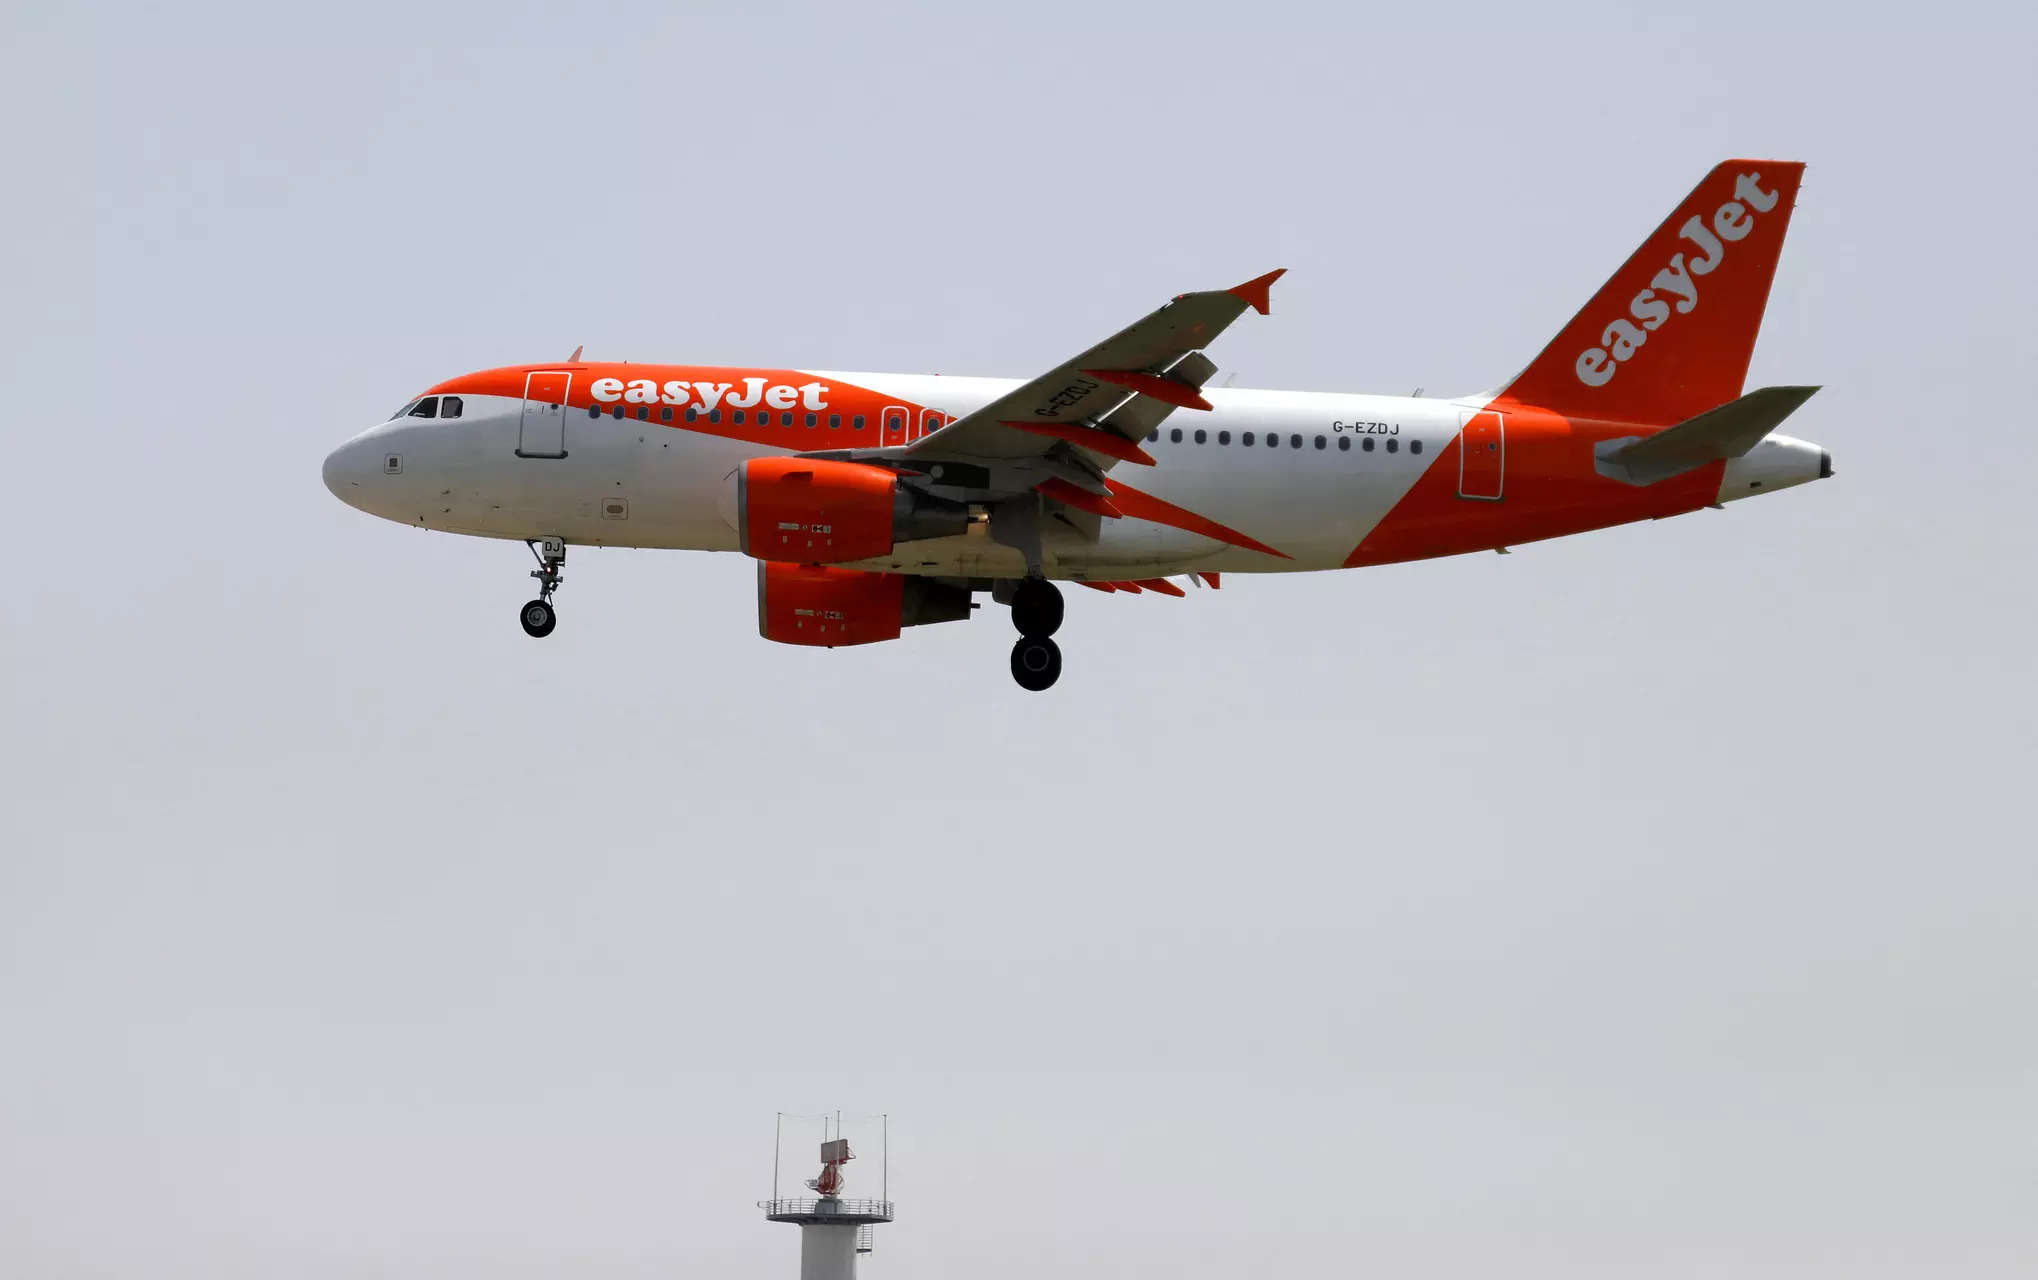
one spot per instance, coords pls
(856, 423)
(594, 411)
(692, 414)
(785, 419)
(665, 414)
(1273, 441)
(1174, 435)
(426, 408)
(1415, 446)
(1294, 442)
(1224, 437)
(1247, 438)
(643, 413)
(1201, 436)
(616, 412)
(715, 416)
(737, 417)
(1153, 435)
(1319, 442)
(1393, 445)
(1369, 444)
(1344, 444)
(834, 422)
(450, 406)
(813, 419)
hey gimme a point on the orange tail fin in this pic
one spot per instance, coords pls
(1671, 334)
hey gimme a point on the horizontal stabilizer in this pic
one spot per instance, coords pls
(1717, 434)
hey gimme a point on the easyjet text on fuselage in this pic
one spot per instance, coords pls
(711, 395)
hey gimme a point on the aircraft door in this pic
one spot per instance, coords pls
(542, 432)
(898, 423)
(1482, 455)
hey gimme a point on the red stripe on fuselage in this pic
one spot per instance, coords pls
(1549, 488)
(1144, 506)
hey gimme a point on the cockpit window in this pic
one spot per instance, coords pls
(425, 408)
(404, 412)
(450, 406)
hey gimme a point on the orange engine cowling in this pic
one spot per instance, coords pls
(820, 511)
(813, 604)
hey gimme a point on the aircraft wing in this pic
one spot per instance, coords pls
(1110, 397)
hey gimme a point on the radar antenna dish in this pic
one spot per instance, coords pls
(834, 1154)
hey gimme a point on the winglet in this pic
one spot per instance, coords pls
(1256, 291)
(576, 354)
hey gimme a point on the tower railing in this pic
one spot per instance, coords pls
(823, 1210)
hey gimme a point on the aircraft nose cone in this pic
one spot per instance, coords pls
(330, 472)
(346, 471)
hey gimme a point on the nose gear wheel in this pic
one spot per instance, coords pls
(538, 617)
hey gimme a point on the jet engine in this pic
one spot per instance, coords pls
(820, 511)
(813, 604)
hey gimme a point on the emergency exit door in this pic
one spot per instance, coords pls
(1482, 455)
(542, 433)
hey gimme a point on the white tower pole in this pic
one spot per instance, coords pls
(827, 1251)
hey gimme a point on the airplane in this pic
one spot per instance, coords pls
(874, 502)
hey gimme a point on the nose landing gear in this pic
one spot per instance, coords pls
(1037, 613)
(538, 616)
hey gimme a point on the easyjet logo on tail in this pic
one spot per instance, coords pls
(1677, 284)
(708, 395)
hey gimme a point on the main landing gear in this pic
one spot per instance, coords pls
(538, 616)
(1036, 612)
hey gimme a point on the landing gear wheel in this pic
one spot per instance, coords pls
(538, 618)
(1036, 663)
(1037, 609)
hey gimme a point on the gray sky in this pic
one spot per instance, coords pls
(1656, 902)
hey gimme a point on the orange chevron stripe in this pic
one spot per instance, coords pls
(1144, 506)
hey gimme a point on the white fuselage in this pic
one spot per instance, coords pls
(1336, 465)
